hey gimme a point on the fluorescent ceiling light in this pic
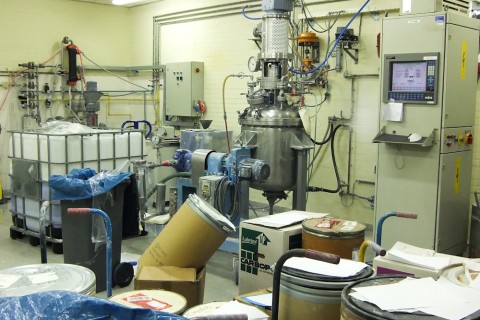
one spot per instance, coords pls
(122, 2)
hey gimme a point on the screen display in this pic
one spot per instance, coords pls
(409, 76)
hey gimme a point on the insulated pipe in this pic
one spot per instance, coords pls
(315, 255)
(108, 225)
(375, 247)
(388, 215)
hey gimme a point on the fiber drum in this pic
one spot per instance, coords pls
(305, 295)
(190, 238)
(340, 237)
(203, 310)
(28, 279)
(159, 300)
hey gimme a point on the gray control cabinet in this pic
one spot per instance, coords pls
(183, 88)
(430, 177)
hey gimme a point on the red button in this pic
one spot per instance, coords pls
(469, 138)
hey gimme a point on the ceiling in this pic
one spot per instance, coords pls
(109, 2)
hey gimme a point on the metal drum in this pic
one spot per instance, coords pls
(353, 309)
(305, 295)
(159, 300)
(340, 237)
(190, 238)
(47, 277)
(203, 310)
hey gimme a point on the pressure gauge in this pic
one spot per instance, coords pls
(253, 64)
(156, 140)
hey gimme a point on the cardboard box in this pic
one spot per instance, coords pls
(241, 298)
(384, 266)
(185, 281)
(263, 241)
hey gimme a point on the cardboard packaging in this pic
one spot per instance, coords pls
(185, 281)
(263, 241)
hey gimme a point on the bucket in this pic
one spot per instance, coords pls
(191, 237)
(310, 296)
(340, 237)
(203, 310)
(353, 309)
(159, 300)
(47, 277)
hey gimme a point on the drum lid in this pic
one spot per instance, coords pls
(333, 227)
(46, 277)
(210, 214)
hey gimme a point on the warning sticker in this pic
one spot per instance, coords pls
(147, 302)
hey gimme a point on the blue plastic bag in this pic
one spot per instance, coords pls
(65, 305)
(84, 183)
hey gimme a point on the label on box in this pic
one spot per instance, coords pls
(147, 302)
(251, 242)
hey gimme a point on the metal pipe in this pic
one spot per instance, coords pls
(43, 241)
(375, 247)
(316, 255)
(388, 215)
(160, 199)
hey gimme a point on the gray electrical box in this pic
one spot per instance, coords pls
(429, 76)
(183, 88)
(208, 185)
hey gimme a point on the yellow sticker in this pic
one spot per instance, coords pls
(464, 60)
(457, 175)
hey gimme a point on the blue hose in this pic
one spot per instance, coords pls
(380, 224)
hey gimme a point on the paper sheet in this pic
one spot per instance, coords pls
(285, 218)
(345, 268)
(235, 307)
(6, 280)
(264, 300)
(393, 111)
(421, 257)
(441, 298)
(434, 263)
(43, 277)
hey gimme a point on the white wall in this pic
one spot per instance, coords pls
(120, 36)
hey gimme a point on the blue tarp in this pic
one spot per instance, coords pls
(84, 183)
(67, 305)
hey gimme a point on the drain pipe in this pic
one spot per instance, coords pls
(43, 240)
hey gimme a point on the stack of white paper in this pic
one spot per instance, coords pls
(284, 219)
(440, 298)
(346, 268)
(425, 258)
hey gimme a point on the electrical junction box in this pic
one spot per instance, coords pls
(184, 86)
(207, 187)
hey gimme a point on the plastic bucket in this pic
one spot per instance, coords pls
(340, 237)
(47, 277)
(309, 296)
(203, 310)
(160, 300)
(191, 237)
